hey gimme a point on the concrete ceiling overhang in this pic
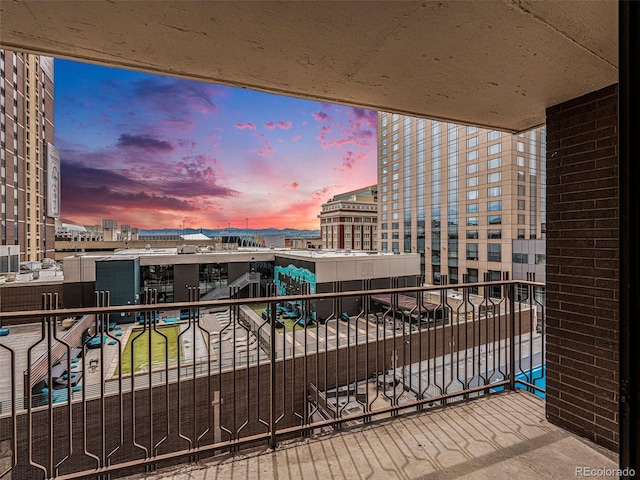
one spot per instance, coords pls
(497, 63)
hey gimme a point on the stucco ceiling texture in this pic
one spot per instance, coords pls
(489, 63)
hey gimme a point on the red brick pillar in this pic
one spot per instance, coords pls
(582, 266)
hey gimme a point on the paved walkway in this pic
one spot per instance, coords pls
(502, 437)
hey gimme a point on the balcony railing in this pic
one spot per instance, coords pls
(132, 388)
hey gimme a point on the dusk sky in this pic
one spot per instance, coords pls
(153, 151)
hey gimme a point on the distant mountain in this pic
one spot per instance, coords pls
(287, 232)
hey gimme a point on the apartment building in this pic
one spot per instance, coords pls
(458, 195)
(349, 220)
(30, 173)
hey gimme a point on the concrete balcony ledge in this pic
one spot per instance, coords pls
(498, 436)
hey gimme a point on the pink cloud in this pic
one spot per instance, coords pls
(296, 138)
(265, 149)
(359, 129)
(270, 125)
(322, 193)
(321, 116)
(247, 125)
(293, 185)
(350, 159)
(284, 125)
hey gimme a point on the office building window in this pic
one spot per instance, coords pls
(472, 251)
(493, 135)
(521, 233)
(520, 258)
(494, 234)
(521, 161)
(494, 163)
(494, 220)
(494, 252)
(521, 190)
(494, 206)
(472, 208)
(494, 276)
(494, 191)
(472, 234)
(472, 142)
(494, 177)
(472, 155)
(471, 169)
(472, 274)
(541, 259)
(471, 130)
(472, 221)
(472, 194)
(521, 220)
(521, 176)
(472, 182)
(494, 149)
(521, 205)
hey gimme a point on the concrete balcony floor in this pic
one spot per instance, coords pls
(499, 436)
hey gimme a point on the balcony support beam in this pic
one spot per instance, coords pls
(629, 172)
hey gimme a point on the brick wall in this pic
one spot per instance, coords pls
(15, 297)
(582, 266)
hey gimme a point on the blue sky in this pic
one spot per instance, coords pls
(154, 152)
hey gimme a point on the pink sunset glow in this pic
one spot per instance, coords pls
(154, 152)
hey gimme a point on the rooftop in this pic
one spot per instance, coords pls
(50, 275)
(130, 253)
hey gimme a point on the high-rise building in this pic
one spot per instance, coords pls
(458, 195)
(30, 177)
(348, 220)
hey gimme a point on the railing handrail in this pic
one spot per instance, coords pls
(368, 357)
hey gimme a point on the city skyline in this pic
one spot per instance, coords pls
(161, 152)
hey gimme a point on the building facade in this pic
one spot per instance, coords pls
(458, 195)
(30, 177)
(349, 220)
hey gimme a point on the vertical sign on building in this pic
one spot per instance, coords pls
(53, 182)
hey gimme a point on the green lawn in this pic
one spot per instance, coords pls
(288, 324)
(141, 352)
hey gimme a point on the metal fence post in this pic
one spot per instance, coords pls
(272, 386)
(512, 337)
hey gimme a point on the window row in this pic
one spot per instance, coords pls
(494, 252)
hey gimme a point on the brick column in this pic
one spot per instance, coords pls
(582, 266)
